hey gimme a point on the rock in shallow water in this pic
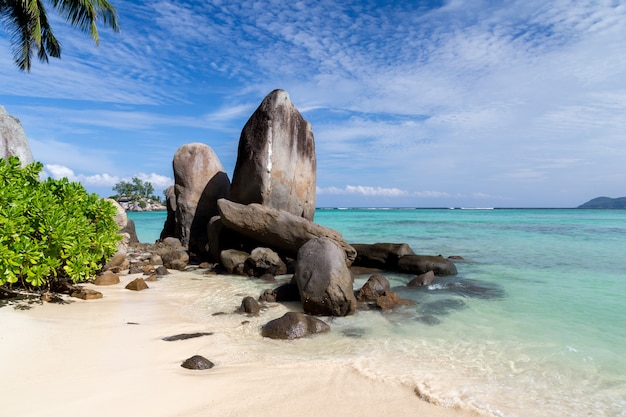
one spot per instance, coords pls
(294, 326)
(197, 362)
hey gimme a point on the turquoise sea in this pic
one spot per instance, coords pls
(533, 325)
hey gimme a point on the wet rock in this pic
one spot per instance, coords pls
(420, 264)
(138, 284)
(390, 300)
(422, 279)
(324, 280)
(375, 287)
(264, 261)
(185, 336)
(294, 326)
(249, 306)
(287, 292)
(380, 255)
(197, 362)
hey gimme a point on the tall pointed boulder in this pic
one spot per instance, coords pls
(276, 163)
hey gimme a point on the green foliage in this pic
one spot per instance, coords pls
(29, 26)
(135, 190)
(50, 229)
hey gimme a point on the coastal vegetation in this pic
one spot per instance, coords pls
(50, 229)
(29, 26)
(137, 195)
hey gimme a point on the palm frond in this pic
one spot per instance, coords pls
(83, 14)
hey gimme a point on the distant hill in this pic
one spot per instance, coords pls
(605, 203)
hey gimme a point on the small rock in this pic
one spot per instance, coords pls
(197, 362)
(86, 294)
(107, 278)
(117, 263)
(161, 270)
(294, 326)
(391, 300)
(423, 279)
(268, 277)
(185, 336)
(137, 284)
(249, 306)
(375, 286)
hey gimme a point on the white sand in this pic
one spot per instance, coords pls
(85, 359)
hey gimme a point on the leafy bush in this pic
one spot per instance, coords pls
(50, 229)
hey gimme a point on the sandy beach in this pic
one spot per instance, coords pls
(106, 357)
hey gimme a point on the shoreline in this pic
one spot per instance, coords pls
(90, 356)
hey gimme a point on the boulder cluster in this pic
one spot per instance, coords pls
(261, 225)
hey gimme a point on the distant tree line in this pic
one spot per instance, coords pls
(135, 190)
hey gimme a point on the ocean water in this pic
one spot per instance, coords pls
(534, 324)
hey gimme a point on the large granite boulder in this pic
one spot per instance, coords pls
(277, 229)
(380, 255)
(326, 284)
(276, 164)
(421, 264)
(13, 141)
(199, 181)
(294, 326)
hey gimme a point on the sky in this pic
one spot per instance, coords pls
(453, 103)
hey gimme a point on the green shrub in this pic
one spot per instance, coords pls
(50, 229)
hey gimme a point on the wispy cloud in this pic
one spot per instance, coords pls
(475, 98)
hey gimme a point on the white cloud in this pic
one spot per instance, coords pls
(364, 191)
(158, 181)
(104, 180)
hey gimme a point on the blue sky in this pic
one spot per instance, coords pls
(412, 103)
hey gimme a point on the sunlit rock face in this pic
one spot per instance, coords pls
(13, 141)
(276, 163)
(200, 181)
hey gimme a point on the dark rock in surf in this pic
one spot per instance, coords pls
(276, 163)
(420, 264)
(426, 278)
(375, 287)
(287, 292)
(380, 255)
(249, 306)
(294, 326)
(390, 300)
(264, 261)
